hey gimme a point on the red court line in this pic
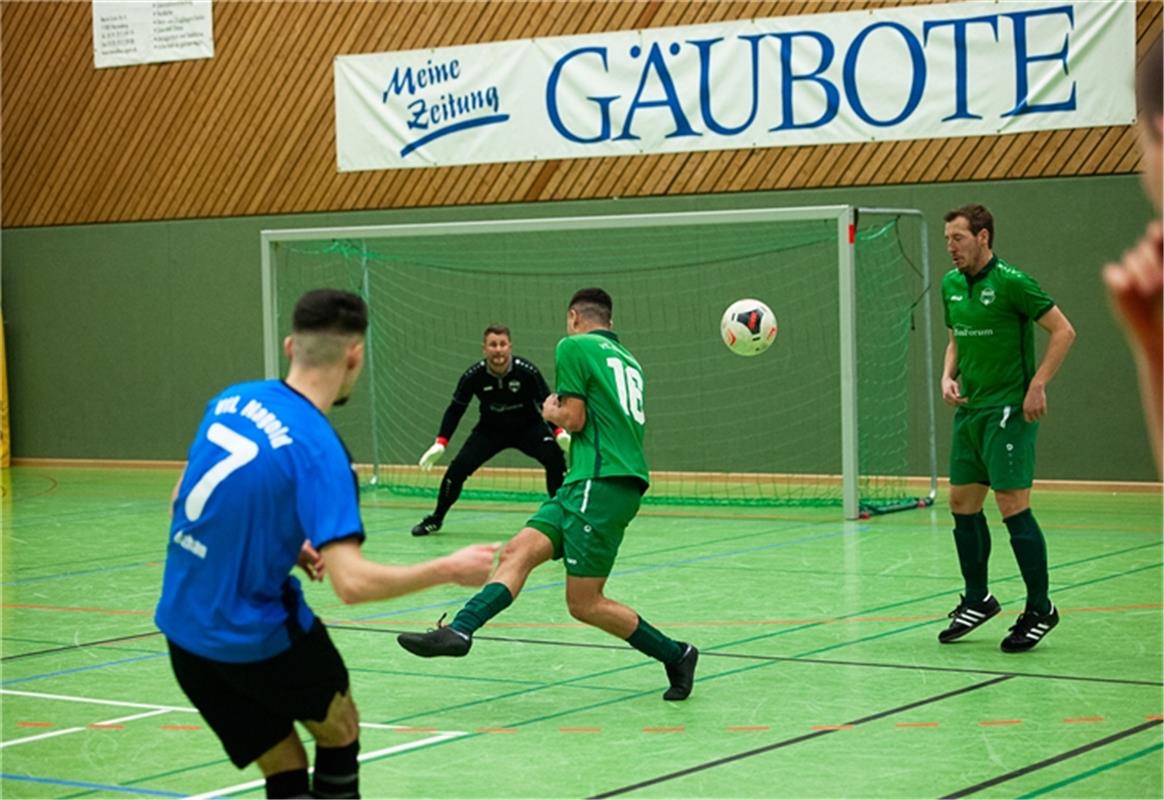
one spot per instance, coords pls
(746, 728)
(725, 623)
(410, 729)
(832, 727)
(580, 730)
(1154, 717)
(997, 722)
(1073, 720)
(181, 727)
(496, 730)
(78, 609)
(667, 729)
(106, 726)
(28, 724)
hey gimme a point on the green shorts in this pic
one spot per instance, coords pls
(585, 522)
(995, 446)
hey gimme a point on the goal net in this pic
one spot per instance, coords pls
(839, 411)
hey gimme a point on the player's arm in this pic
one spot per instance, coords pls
(951, 393)
(355, 579)
(452, 417)
(567, 412)
(1062, 333)
(541, 392)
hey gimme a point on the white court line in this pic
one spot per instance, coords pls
(400, 748)
(155, 709)
(95, 701)
(64, 731)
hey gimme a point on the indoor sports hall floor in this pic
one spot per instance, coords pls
(821, 675)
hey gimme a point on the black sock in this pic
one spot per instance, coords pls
(972, 540)
(337, 772)
(292, 783)
(1030, 550)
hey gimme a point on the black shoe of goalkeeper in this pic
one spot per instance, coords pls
(429, 524)
(681, 673)
(441, 641)
(1029, 629)
(968, 616)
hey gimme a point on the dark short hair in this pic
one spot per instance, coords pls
(594, 304)
(979, 218)
(1150, 84)
(497, 328)
(330, 311)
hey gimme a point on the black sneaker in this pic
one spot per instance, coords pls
(429, 524)
(440, 641)
(681, 673)
(968, 616)
(1029, 629)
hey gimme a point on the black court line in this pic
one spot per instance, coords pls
(65, 648)
(719, 762)
(969, 790)
(794, 659)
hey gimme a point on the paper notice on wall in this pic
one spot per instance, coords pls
(129, 32)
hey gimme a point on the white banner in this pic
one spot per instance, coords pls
(930, 71)
(129, 32)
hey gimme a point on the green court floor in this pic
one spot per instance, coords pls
(821, 674)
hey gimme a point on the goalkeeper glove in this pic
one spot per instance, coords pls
(433, 454)
(563, 439)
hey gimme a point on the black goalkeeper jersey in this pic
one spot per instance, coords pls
(510, 402)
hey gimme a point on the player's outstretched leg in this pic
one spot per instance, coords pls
(521, 554)
(429, 524)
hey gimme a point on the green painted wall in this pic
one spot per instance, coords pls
(117, 334)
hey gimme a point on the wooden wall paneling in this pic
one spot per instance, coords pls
(203, 170)
(277, 161)
(253, 122)
(21, 80)
(1004, 154)
(37, 157)
(1077, 146)
(1117, 154)
(1106, 139)
(1023, 163)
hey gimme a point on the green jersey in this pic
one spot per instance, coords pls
(992, 316)
(595, 367)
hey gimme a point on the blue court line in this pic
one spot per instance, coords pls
(82, 669)
(632, 570)
(101, 787)
(60, 575)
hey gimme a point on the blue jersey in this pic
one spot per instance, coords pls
(265, 472)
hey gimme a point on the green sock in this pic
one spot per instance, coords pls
(649, 640)
(1030, 550)
(972, 540)
(482, 607)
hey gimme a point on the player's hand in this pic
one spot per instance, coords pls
(563, 439)
(550, 408)
(310, 561)
(470, 566)
(951, 394)
(1035, 403)
(1135, 287)
(432, 455)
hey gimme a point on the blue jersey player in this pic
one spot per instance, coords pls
(269, 484)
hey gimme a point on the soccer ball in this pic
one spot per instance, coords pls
(748, 327)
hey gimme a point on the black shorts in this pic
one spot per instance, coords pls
(253, 706)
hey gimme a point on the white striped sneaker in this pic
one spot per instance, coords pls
(1029, 629)
(968, 616)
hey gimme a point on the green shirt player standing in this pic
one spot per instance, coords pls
(991, 377)
(600, 401)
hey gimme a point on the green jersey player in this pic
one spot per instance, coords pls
(991, 377)
(600, 401)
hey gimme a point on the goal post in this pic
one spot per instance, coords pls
(793, 426)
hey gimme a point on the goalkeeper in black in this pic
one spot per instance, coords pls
(510, 390)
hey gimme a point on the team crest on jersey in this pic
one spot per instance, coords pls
(987, 296)
(514, 386)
